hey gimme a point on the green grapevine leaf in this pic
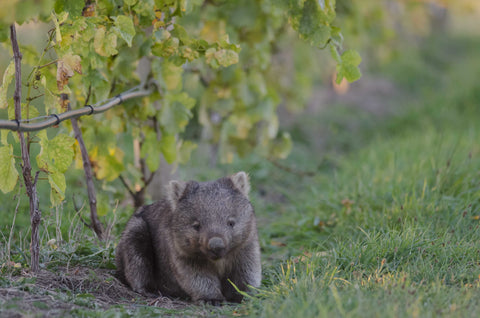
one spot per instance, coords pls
(321, 36)
(31, 112)
(8, 171)
(348, 67)
(189, 54)
(51, 99)
(184, 151)
(124, 26)
(210, 58)
(310, 18)
(57, 187)
(105, 43)
(150, 150)
(166, 48)
(110, 166)
(4, 30)
(175, 112)
(226, 57)
(168, 148)
(56, 155)
(7, 79)
(172, 76)
(180, 33)
(130, 2)
(25, 10)
(74, 8)
(4, 136)
(6, 16)
(350, 72)
(146, 12)
(351, 57)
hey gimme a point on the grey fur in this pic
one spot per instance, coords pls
(191, 243)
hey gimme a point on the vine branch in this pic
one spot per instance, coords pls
(87, 168)
(30, 184)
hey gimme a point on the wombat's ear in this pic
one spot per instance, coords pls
(240, 181)
(175, 190)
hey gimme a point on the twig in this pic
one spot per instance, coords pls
(150, 179)
(30, 186)
(87, 168)
(78, 212)
(125, 184)
(11, 229)
(29, 99)
(45, 65)
(110, 225)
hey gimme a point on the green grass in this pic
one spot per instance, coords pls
(405, 244)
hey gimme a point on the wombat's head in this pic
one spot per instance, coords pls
(210, 219)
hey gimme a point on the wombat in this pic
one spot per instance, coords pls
(194, 243)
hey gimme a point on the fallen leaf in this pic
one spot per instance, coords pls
(277, 243)
(348, 205)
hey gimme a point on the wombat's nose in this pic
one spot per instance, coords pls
(216, 246)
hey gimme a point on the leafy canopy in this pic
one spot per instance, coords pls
(212, 64)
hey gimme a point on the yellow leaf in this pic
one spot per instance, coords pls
(109, 167)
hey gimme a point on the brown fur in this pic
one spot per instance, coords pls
(190, 244)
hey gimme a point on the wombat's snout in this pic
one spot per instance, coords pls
(216, 247)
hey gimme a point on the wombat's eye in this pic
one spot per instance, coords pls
(231, 223)
(196, 226)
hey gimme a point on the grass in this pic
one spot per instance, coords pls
(406, 241)
(387, 227)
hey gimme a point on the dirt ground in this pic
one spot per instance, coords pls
(56, 294)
